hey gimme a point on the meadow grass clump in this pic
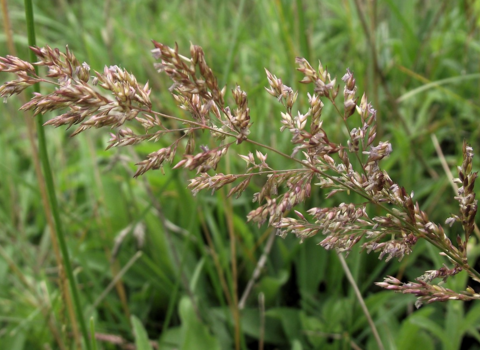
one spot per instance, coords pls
(115, 99)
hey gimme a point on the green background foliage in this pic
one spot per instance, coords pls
(417, 61)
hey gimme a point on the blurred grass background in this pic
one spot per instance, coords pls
(418, 62)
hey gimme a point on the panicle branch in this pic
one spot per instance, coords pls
(425, 292)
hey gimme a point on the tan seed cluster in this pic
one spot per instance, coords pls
(115, 99)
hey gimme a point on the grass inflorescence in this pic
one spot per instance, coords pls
(357, 168)
(352, 179)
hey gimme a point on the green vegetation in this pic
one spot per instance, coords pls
(152, 262)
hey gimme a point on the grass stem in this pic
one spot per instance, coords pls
(361, 301)
(51, 187)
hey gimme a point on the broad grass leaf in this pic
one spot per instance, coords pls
(313, 328)
(422, 320)
(141, 338)
(472, 318)
(195, 335)
(290, 319)
(15, 341)
(273, 327)
(170, 339)
(270, 286)
(412, 336)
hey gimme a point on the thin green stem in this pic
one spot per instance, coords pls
(51, 188)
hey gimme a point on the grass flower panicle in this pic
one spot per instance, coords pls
(113, 98)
